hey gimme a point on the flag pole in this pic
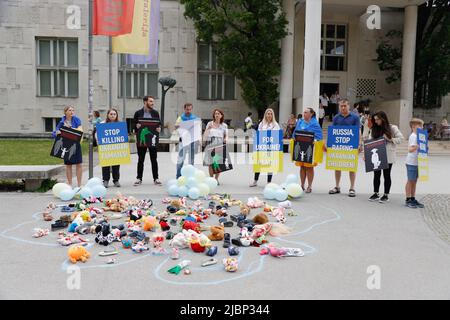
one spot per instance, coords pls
(124, 91)
(90, 94)
(110, 75)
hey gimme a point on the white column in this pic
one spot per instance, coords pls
(311, 70)
(287, 64)
(408, 64)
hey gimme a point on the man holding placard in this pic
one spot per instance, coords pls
(343, 146)
(147, 129)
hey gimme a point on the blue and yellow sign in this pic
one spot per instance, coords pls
(113, 146)
(268, 151)
(342, 148)
(422, 141)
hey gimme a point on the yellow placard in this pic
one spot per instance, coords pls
(423, 168)
(342, 160)
(114, 154)
(270, 162)
(137, 42)
(318, 150)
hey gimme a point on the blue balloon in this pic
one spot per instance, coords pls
(173, 190)
(98, 191)
(66, 194)
(183, 191)
(269, 193)
(191, 182)
(281, 195)
(94, 182)
(194, 193)
(172, 182)
(292, 178)
(188, 171)
(86, 192)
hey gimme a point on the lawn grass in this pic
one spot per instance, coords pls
(30, 152)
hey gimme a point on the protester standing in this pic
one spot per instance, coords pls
(412, 165)
(383, 129)
(248, 122)
(147, 112)
(111, 116)
(71, 121)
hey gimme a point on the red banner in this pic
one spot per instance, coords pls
(113, 17)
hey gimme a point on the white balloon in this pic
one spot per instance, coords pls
(200, 176)
(59, 187)
(294, 190)
(292, 178)
(204, 189)
(93, 182)
(281, 195)
(172, 182)
(212, 183)
(272, 186)
(98, 191)
(188, 171)
(86, 192)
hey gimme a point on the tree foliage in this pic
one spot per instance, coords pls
(246, 36)
(390, 56)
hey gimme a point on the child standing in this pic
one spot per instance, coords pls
(412, 165)
(111, 116)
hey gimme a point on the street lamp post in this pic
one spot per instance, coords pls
(167, 83)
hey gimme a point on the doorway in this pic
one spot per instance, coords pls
(329, 88)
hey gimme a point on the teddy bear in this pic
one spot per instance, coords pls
(178, 203)
(261, 218)
(78, 253)
(114, 205)
(106, 235)
(180, 240)
(150, 222)
(231, 264)
(245, 210)
(217, 233)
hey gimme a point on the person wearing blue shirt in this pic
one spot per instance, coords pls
(346, 118)
(71, 121)
(186, 116)
(308, 123)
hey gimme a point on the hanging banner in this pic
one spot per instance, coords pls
(375, 155)
(113, 145)
(342, 148)
(152, 58)
(147, 136)
(422, 141)
(66, 144)
(218, 157)
(112, 17)
(137, 42)
(268, 151)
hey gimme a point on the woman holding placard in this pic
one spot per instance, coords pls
(309, 123)
(381, 128)
(111, 116)
(268, 123)
(71, 121)
(216, 133)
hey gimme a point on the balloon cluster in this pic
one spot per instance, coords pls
(290, 188)
(192, 183)
(94, 187)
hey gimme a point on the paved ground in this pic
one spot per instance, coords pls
(341, 237)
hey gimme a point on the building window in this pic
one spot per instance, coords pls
(213, 83)
(333, 47)
(141, 79)
(50, 124)
(57, 67)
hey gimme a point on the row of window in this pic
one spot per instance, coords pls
(57, 73)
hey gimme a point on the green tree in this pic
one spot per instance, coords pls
(432, 67)
(246, 36)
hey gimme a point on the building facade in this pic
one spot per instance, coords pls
(44, 64)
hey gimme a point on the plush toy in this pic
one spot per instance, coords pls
(261, 218)
(285, 204)
(127, 243)
(104, 235)
(164, 225)
(178, 203)
(199, 242)
(113, 205)
(217, 233)
(135, 214)
(145, 204)
(268, 208)
(86, 216)
(67, 240)
(180, 240)
(245, 210)
(78, 253)
(140, 247)
(221, 212)
(254, 203)
(190, 225)
(157, 240)
(92, 199)
(149, 223)
(279, 214)
(39, 233)
(231, 264)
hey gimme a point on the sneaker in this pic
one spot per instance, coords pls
(384, 199)
(226, 240)
(411, 204)
(209, 262)
(105, 184)
(418, 204)
(137, 183)
(158, 183)
(254, 184)
(117, 184)
(374, 197)
(212, 251)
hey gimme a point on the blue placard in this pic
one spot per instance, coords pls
(422, 141)
(343, 137)
(112, 133)
(268, 141)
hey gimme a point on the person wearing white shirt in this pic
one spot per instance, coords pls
(268, 123)
(248, 122)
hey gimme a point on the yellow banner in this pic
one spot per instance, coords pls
(137, 42)
(271, 162)
(423, 168)
(114, 154)
(318, 150)
(342, 160)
